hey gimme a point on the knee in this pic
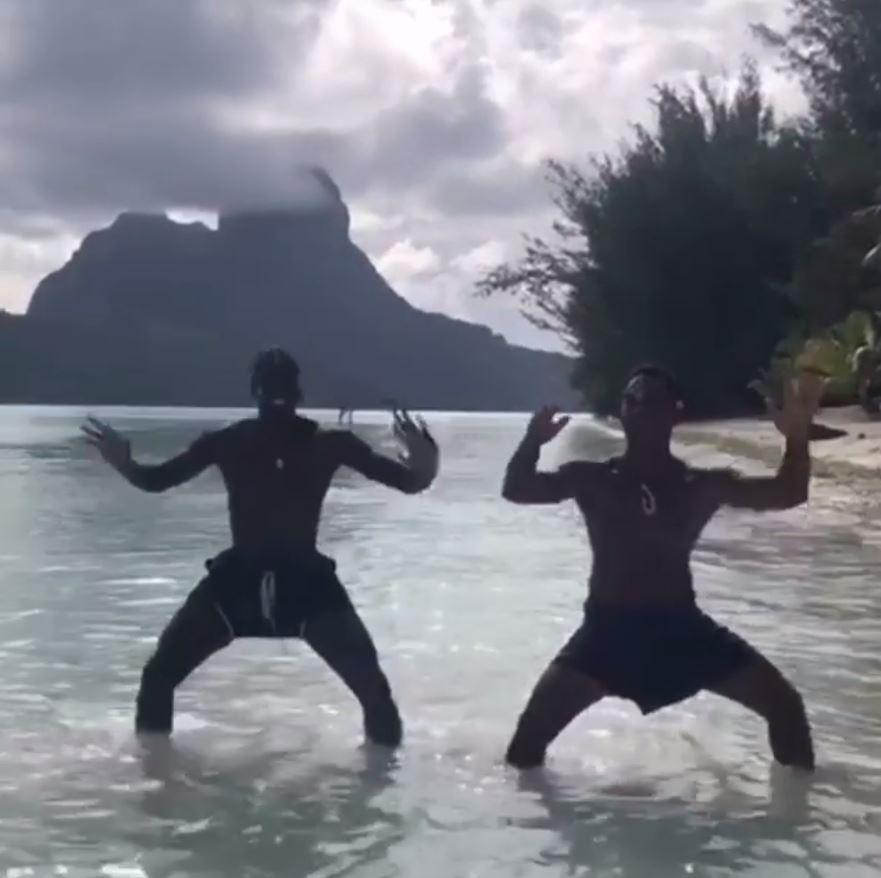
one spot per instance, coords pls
(527, 749)
(790, 731)
(524, 754)
(788, 706)
(370, 683)
(158, 674)
(382, 723)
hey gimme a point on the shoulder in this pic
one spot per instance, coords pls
(344, 444)
(713, 476)
(587, 467)
(236, 430)
(217, 441)
(335, 437)
(585, 473)
(714, 484)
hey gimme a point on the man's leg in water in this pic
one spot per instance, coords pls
(559, 696)
(341, 639)
(195, 632)
(762, 688)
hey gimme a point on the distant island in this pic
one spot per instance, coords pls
(154, 312)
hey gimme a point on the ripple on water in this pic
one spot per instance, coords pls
(266, 775)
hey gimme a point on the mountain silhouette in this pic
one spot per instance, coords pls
(153, 311)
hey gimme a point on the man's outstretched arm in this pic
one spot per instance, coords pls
(412, 474)
(523, 482)
(116, 450)
(789, 487)
(786, 489)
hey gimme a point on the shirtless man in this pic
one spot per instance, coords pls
(272, 582)
(643, 637)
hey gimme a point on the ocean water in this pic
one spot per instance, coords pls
(467, 598)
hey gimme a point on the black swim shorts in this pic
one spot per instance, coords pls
(272, 597)
(654, 657)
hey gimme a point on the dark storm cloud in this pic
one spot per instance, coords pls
(427, 133)
(67, 53)
(110, 104)
(432, 115)
(122, 104)
(499, 188)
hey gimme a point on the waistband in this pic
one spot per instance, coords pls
(277, 562)
(638, 612)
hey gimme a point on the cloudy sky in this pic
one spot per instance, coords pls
(433, 116)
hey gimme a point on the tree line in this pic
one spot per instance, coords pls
(722, 241)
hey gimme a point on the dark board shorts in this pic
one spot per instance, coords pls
(654, 657)
(271, 597)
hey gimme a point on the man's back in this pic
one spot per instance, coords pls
(277, 476)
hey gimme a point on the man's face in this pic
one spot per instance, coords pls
(278, 389)
(648, 406)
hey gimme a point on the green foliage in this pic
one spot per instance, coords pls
(831, 352)
(834, 47)
(720, 241)
(678, 251)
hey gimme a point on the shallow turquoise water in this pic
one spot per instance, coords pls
(467, 598)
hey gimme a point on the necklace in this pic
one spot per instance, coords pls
(648, 499)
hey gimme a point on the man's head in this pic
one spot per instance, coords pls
(651, 404)
(275, 381)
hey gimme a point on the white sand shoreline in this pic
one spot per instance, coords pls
(857, 452)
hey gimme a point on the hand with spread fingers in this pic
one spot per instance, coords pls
(546, 424)
(801, 400)
(421, 456)
(113, 447)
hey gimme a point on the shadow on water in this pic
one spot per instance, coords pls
(258, 817)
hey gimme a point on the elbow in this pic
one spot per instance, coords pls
(143, 478)
(420, 477)
(800, 490)
(416, 483)
(794, 496)
(148, 485)
(511, 493)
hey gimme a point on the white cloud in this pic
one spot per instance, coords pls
(404, 261)
(482, 258)
(25, 260)
(433, 115)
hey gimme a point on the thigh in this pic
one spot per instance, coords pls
(343, 641)
(759, 686)
(559, 696)
(196, 631)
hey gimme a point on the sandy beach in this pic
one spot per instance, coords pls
(858, 452)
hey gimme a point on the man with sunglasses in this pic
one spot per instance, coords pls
(643, 637)
(272, 581)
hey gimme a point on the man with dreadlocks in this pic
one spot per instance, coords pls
(272, 581)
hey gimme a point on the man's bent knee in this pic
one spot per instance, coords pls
(528, 747)
(789, 730)
(382, 721)
(382, 724)
(155, 701)
(524, 754)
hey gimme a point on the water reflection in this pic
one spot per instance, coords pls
(467, 599)
(784, 832)
(258, 816)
